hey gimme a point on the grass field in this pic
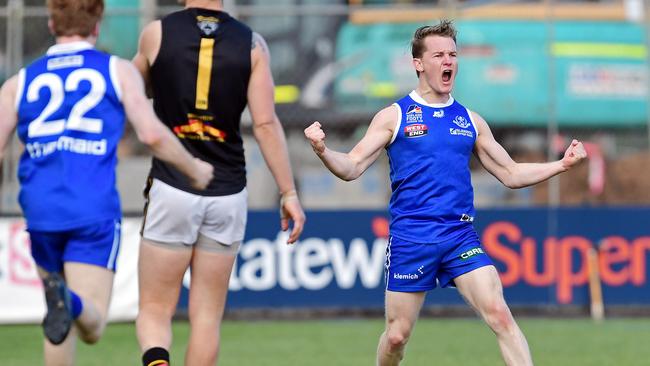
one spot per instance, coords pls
(554, 342)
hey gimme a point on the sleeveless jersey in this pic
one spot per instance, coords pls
(200, 83)
(70, 119)
(432, 196)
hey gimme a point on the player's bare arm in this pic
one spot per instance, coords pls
(496, 160)
(8, 116)
(270, 135)
(154, 133)
(350, 166)
(148, 48)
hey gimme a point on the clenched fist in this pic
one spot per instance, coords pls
(573, 154)
(201, 174)
(314, 133)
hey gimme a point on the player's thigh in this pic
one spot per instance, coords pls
(225, 217)
(172, 215)
(481, 287)
(402, 308)
(91, 282)
(47, 250)
(211, 271)
(89, 259)
(410, 267)
(161, 268)
(462, 255)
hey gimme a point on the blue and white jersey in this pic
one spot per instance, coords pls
(70, 119)
(432, 197)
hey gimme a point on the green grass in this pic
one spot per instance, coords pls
(554, 342)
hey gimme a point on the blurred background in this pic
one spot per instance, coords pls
(540, 72)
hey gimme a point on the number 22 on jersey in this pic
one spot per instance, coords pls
(76, 119)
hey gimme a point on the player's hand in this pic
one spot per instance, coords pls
(290, 209)
(574, 154)
(201, 174)
(314, 133)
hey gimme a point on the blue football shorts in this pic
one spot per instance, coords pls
(97, 244)
(414, 267)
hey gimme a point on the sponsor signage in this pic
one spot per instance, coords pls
(541, 256)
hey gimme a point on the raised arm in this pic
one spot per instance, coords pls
(8, 113)
(496, 160)
(270, 135)
(350, 166)
(153, 133)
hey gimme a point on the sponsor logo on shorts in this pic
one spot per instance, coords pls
(472, 252)
(417, 130)
(408, 276)
(466, 218)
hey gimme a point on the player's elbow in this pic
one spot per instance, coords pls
(509, 177)
(344, 174)
(355, 170)
(151, 137)
(512, 184)
(348, 177)
(264, 124)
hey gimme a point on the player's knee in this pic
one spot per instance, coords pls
(397, 338)
(498, 317)
(92, 336)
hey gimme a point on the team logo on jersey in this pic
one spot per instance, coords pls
(417, 130)
(461, 122)
(197, 129)
(439, 113)
(414, 114)
(207, 25)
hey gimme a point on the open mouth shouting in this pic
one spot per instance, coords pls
(446, 76)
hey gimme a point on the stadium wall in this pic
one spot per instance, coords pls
(339, 263)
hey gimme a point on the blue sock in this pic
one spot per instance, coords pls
(77, 304)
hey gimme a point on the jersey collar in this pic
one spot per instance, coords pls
(418, 99)
(69, 47)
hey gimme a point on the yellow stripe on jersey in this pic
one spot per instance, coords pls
(204, 74)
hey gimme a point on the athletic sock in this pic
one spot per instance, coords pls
(77, 304)
(156, 356)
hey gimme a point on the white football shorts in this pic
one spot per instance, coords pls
(175, 216)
